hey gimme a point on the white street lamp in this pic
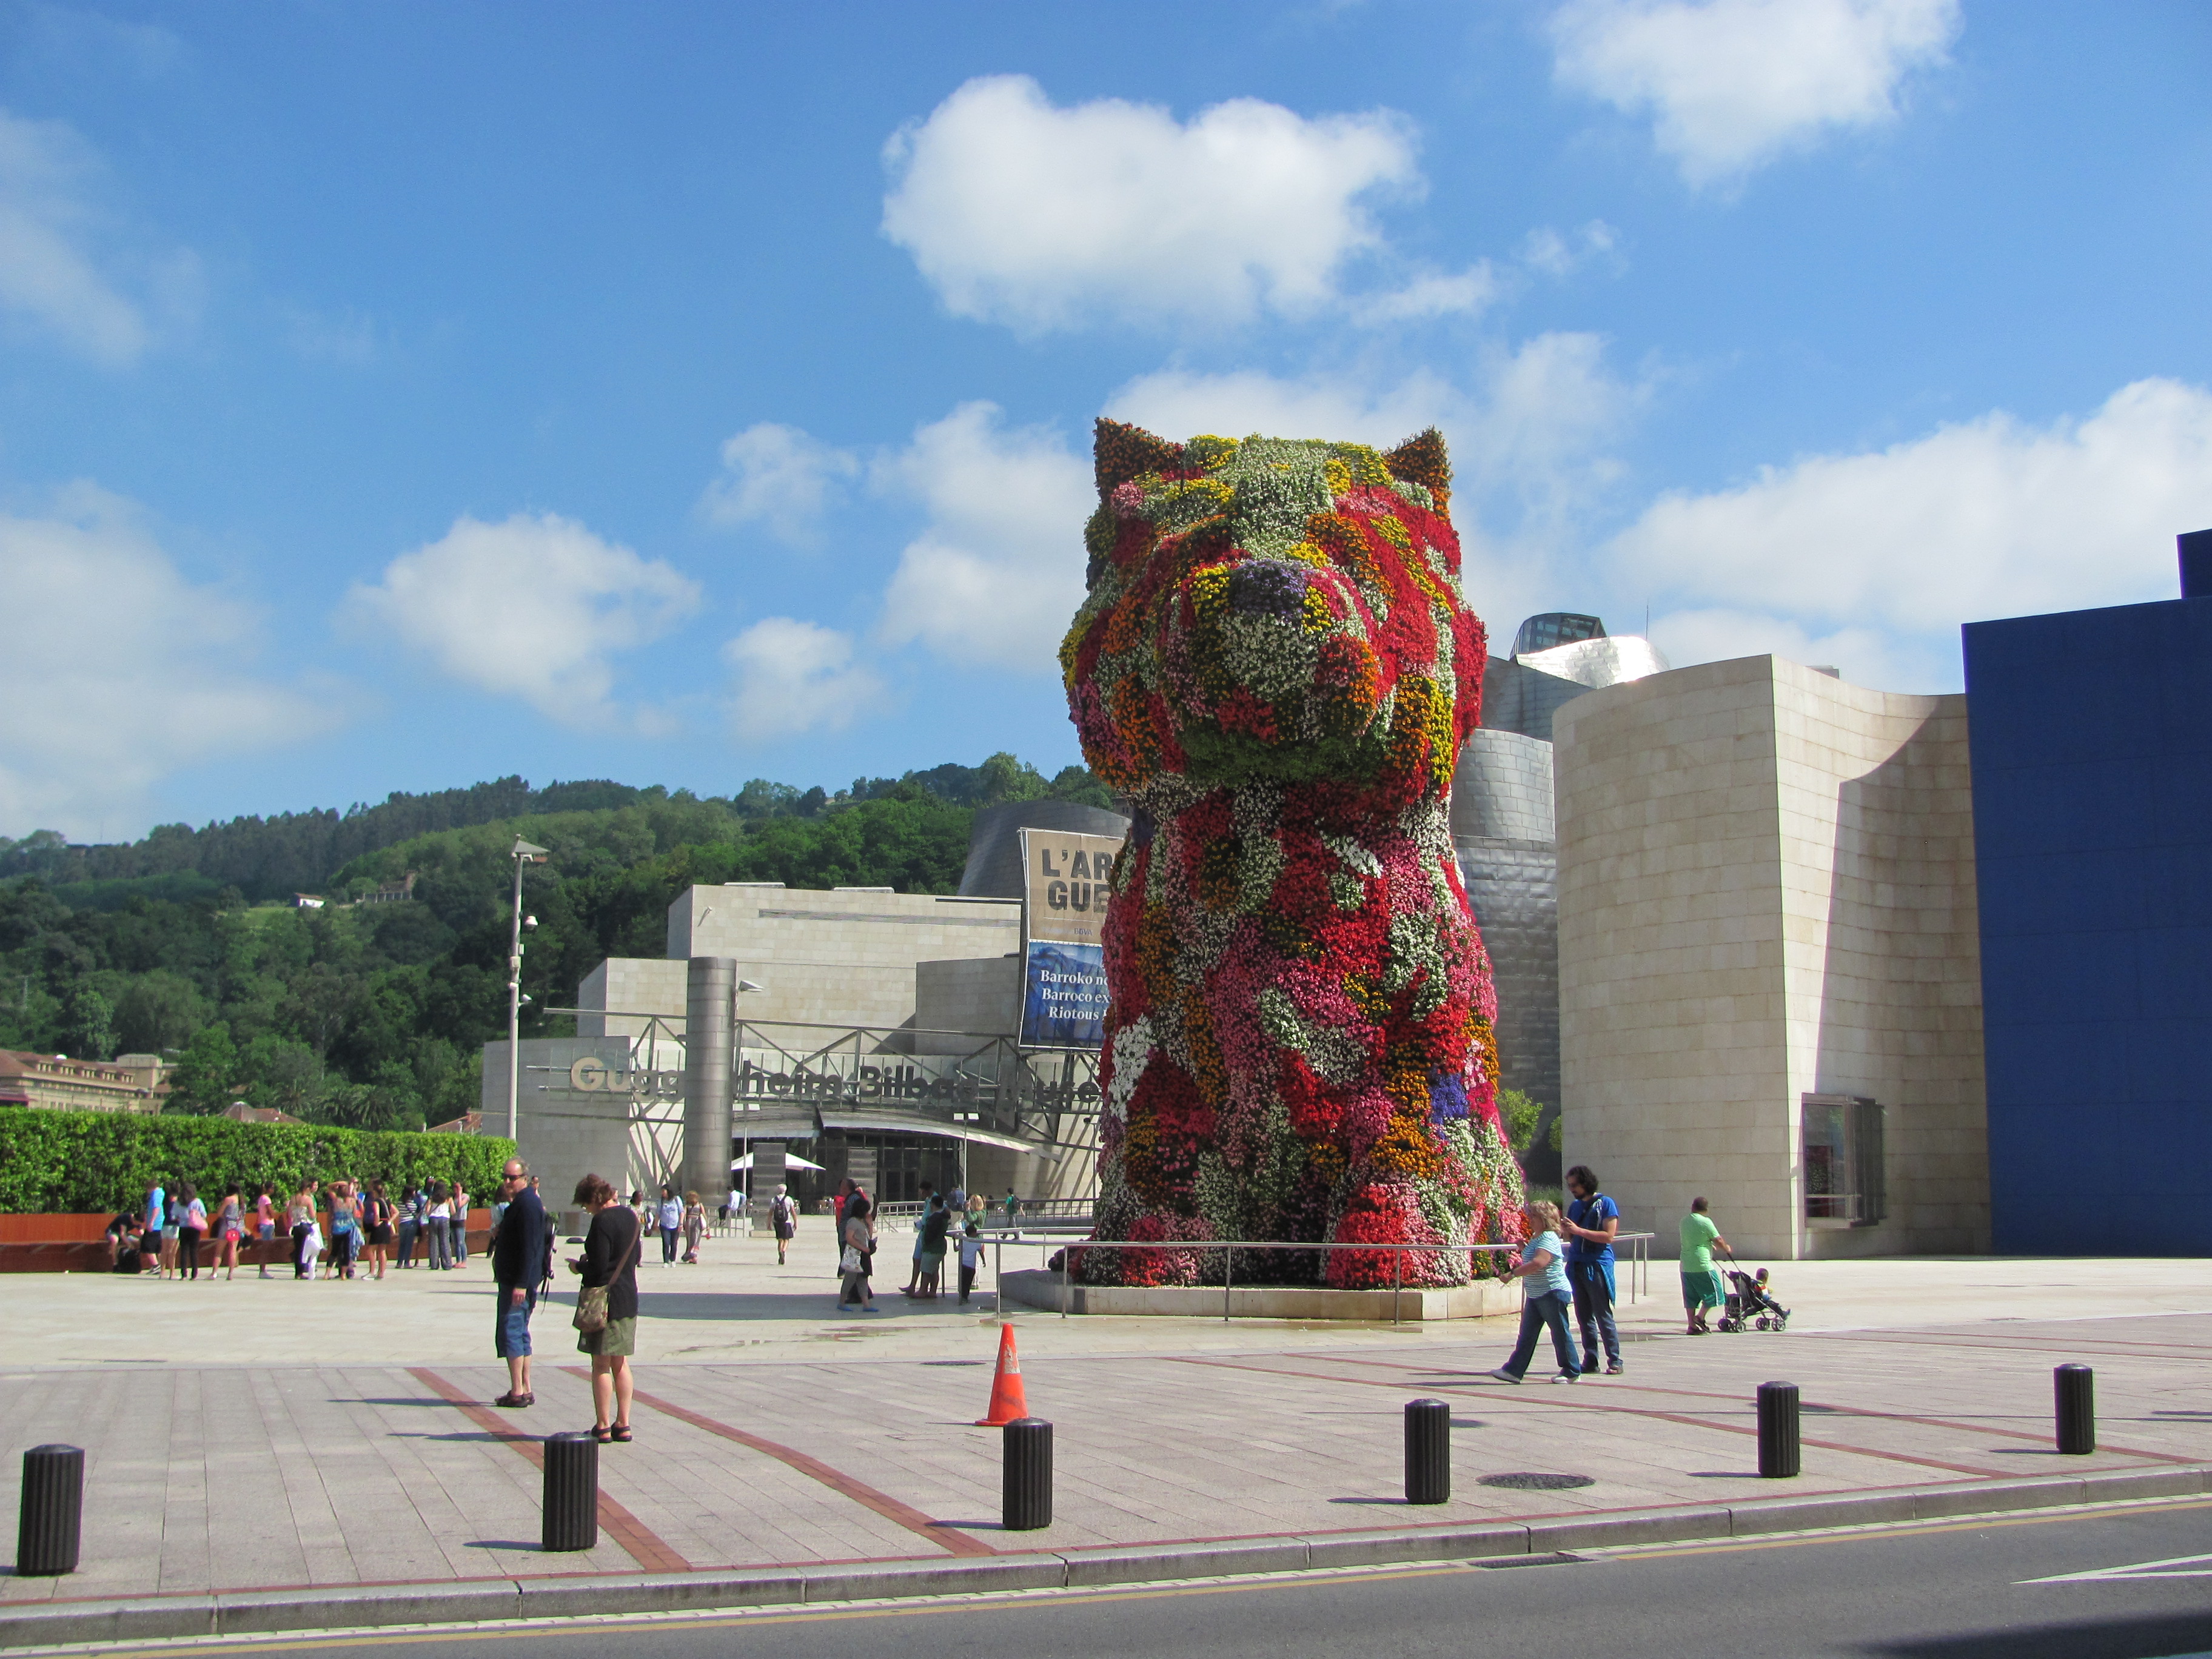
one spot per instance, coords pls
(522, 853)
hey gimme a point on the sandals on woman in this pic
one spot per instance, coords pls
(602, 1433)
(620, 1432)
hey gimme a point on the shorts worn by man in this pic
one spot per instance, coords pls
(521, 1259)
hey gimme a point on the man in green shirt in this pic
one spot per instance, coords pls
(1701, 1285)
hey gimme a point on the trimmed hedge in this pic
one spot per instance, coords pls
(61, 1162)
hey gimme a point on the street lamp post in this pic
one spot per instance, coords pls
(523, 852)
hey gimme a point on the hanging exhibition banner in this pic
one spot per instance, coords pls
(1066, 879)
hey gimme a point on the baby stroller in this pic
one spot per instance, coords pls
(1749, 1306)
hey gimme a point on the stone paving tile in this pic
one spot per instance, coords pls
(250, 1476)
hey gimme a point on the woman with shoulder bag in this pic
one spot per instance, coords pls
(852, 1266)
(606, 1306)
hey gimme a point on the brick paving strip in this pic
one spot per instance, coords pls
(644, 1545)
(937, 1532)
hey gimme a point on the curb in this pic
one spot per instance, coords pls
(257, 1613)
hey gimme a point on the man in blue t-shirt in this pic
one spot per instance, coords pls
(1592, 1220)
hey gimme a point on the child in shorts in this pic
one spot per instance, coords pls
(971, 1257)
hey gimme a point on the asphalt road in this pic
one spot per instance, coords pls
(1960, 1591)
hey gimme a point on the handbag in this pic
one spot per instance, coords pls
(591, 1301)
(850, 1262)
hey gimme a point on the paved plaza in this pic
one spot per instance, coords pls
(267, 1435)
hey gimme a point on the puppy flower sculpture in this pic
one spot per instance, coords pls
(1274, 664)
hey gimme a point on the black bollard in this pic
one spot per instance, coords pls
(571, 1519)
(1428, 1451)
(1777, 1430)
(1026, 1490)
(51, 1519)
(2076, 1388)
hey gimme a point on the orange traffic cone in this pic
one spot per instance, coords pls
(1007, 1400)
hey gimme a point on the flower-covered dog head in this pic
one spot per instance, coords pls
(1274, 610)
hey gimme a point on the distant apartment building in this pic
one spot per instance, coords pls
(128, 1083)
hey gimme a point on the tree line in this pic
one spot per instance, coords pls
(372, 1017)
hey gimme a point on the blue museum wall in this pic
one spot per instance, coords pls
(2090, 739)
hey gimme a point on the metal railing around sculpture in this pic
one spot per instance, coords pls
(1638, 1245)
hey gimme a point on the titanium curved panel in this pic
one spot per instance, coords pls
(1597, 663)
(1502, 788)
(1513, 887)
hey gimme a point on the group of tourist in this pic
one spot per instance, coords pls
(606, 1306)
(679, 1221)
(348, 1229)
(946, 1219)
(1567, 1265)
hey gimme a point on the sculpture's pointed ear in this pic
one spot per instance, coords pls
(1121, 453)
(1421, 459)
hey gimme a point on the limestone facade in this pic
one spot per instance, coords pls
(843, 957)
(1766, 892)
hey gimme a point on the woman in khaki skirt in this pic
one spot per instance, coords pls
(609, 1259)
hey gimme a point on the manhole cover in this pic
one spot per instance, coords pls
(1536, 1482)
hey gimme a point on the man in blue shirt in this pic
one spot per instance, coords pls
(1592, 1220)
(521, 1257)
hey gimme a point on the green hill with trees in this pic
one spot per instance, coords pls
(371, 1017)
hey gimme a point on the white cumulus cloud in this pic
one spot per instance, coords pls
(1730, 84)
(120, 671)
(536, 607)
(1021, 212)
(50, 278)
(781, 475)
(1558, 253)
(997, 571)
(1433, 293)
(1991, 517)
(789, 678)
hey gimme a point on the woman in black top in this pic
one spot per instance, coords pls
(609, 1258)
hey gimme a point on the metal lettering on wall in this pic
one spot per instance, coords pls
(847, 1080)
(764, 1074)
(589, 1075)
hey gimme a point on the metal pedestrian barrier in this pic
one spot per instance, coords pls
(1025, 1487)
(2074, 1389)
(50, 1523)
(1777, 1430)
(1428, 1451)
(571, 1519)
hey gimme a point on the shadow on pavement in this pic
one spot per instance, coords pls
(2143, 1636)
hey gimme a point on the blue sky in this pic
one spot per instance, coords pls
(393, 396)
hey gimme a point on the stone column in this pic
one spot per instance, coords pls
(710, 986)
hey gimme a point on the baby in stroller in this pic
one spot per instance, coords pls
(1750, 1302)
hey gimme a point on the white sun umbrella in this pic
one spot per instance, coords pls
(791, 1161)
